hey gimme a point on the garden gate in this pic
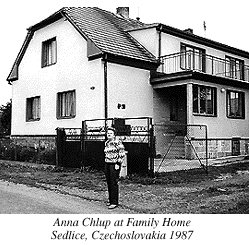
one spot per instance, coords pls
(151, 148)
(84, 147)
(180, 147)
(68, 145)
(136, 135)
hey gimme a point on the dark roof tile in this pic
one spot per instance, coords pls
(107, 31)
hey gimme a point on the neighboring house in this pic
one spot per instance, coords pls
(83, 63)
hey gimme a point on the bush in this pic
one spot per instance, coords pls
(7, 153)
(48, 156)
(28, 154)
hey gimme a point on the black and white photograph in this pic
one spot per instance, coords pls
(124, 123)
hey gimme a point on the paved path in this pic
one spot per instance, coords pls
(169, 165)
(21, 199)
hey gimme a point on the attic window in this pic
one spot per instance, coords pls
(49, 53)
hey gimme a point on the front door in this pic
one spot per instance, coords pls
(178, 104)
(174, 115)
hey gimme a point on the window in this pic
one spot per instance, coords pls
(33, 110)
(234, 68)
(66, 104)
(204, 100)
(49, 55)
(192, 58)
(235, 104)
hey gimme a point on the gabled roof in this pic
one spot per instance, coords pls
(103, 28)
(106, 30)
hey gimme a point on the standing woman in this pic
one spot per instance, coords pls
(114, 156)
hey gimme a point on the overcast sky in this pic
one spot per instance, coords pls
(226, 22)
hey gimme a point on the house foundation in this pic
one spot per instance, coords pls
(35, 141)
(217, 148)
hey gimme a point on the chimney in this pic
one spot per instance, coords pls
(123, 11)
(189, 31)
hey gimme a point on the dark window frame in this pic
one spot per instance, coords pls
(30, 116)
(241, 107)
(47, 50)
(232, 62)
(61, 107)
(186, 60)
(199, 100)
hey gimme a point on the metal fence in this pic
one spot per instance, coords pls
(135, 133)
(150, 148)
(69, 148)
(180, 147)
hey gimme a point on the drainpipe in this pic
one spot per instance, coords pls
(105, 88)
(159, 41)
(159, 29)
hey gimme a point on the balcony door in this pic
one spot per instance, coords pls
(234, 68)
(192, 58)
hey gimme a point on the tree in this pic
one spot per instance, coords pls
(5, 119)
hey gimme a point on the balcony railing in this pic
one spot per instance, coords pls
(196, 61)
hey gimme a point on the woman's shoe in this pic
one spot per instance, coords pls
(108, 204)
(112, 206)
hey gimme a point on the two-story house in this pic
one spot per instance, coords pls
(83, 63)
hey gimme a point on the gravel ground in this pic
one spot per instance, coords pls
(224, 190)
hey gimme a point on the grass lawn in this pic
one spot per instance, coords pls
(225, 189)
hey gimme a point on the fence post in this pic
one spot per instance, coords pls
(151, 146)
(60, 137)
(206, 135)
(83, 131)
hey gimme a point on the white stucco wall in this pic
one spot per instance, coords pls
(129, 86)
(148, 38)
(221, 126)
(72, 71)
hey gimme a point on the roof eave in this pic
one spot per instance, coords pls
(133, 62)
(202, 40)
(49, 20)
(158, 78)
(146, 26)
(13, 76)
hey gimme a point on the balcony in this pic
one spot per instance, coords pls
(203, 63)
